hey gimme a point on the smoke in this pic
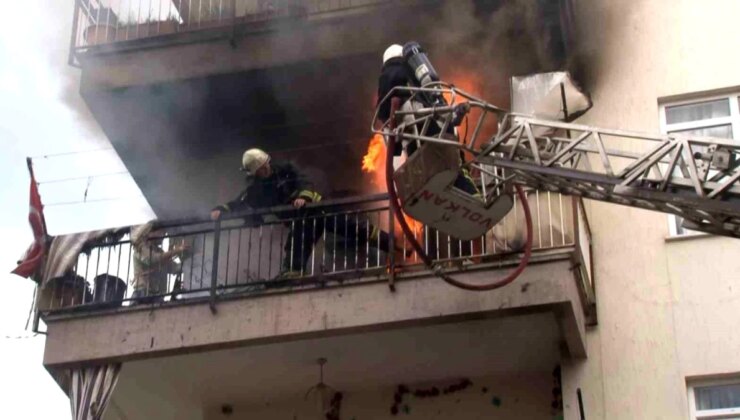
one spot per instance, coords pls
(53, 27)
(183, 139)
(490, 44)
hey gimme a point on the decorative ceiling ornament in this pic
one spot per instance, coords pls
(321, 393)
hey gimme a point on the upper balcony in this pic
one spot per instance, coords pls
(108, 25)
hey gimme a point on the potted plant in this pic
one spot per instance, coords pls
(99, 34)
(154, 27)
(136, 26)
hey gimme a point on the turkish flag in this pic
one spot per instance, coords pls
(35, 254)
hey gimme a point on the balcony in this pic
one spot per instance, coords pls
(381, 321)
(100, 23)
(110, 25)
(237, 260)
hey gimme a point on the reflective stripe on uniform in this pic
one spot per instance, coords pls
(466, 174)
(310, 195)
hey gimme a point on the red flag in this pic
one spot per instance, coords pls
(35, 254)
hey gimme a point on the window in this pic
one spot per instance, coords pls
(715, 400)
(713, 116)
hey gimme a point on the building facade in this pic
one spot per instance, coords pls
(621, 314)
(665, 304)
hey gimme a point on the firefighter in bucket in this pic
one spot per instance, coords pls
(408, 66)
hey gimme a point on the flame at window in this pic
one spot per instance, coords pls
(373, 163)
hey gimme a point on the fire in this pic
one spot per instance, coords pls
(468, 82)
(373, 163)
(375, 157)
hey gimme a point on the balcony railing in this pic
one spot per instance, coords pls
(248, 253)
(109, 22)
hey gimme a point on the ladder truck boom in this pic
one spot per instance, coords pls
(692, 177)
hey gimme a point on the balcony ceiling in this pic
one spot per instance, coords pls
(261, 374)
(189, 135)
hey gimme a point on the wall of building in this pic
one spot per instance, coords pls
(511, 397)
(665, 308)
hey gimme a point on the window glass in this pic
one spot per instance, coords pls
(700, 119)
(718, 131)
(717, 397)
(697, 111)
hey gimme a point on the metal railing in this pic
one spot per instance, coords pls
(332, 242)
(583, 256)
(108, 22)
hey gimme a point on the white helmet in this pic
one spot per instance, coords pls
(394, 51)
(253, 159)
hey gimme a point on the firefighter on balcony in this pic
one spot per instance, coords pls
(273, 184)
(153, 265)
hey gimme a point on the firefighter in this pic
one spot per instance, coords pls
(270, 184)
(398, 71)
(394, 73)
(273, 184)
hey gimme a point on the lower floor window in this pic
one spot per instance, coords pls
(715, 399)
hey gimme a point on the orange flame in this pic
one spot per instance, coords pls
(375, 155)
(468, 82)
(471, 83)
(373, 163)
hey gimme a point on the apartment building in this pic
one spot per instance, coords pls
(621, 313)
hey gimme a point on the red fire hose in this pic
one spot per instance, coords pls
(395, 205)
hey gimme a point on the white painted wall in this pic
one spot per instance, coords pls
(666, 309)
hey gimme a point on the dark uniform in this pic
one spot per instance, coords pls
(394, 73)
(282, 187)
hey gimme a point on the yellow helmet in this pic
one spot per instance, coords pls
(253, 159)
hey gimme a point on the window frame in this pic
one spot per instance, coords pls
(733, 120)
(723, 413)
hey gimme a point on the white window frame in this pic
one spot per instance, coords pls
(725, 413)
(733, 119)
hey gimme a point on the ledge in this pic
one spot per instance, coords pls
(681, 238)
(132, 335)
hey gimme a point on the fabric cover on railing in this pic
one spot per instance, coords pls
(91, 390)
(64, 251)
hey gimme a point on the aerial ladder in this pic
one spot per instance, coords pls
(692, 177)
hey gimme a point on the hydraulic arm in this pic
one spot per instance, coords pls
(694, 178)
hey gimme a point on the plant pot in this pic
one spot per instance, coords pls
(109, 290)
(62, 292)
(99, 34)
(150, 29)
